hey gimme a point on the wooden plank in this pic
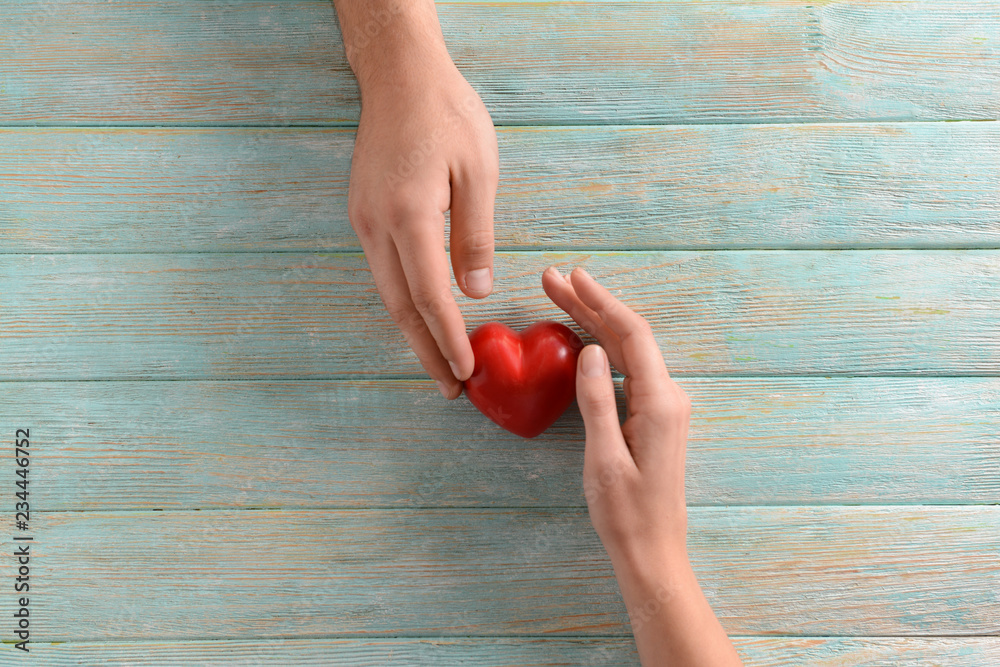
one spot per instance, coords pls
(505, 652)
(520, 652)
(290, 315)
(163, 190)
(927, 185)
(163, 62)
(874, 652)
(282, 63)
(395, 443)
(295, 574)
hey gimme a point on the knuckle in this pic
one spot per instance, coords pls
(362, 221)
(482, 166)
(636, 324)
(640, 327)
(683, 401)
(609, 308)
(402, 313)
(599, 476)
(432, 304)
(475, 244)
(675, 405)
(401, 211)
(489, 166)
(601, 405)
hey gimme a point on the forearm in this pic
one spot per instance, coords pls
(672, 621)
(389, 42)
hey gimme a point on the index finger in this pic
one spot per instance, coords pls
(639, 350)
(428, 276)
(387, 272)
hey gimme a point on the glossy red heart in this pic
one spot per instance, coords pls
(523, 381)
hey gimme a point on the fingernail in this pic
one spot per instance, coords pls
(454, 369)
(594, 361)
(444, 388)
(479, 281)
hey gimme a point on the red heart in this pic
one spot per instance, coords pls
(524, 381)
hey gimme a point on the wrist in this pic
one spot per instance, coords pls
(392, 43)
(650, 585)
(651, 560)
(645, 566)
(650, 545)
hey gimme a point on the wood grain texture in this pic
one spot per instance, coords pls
(164, 62)
(874, 652)
(295, 574)
(289, 315)
(325, 506)
(927, 185)
(396, 443)
(436, 652)
(518, 652)
(282, 63)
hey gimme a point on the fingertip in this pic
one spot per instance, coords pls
(558, 279)
(448, 390)
(595, 397)
(593, 361)
(550, 274)
(594, 294)
(478, 283)
(594, 388)
(465, 363)
(582, 277)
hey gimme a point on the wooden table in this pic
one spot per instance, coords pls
(236, 459)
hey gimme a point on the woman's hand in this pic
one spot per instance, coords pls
(633, 473)
(633, 477)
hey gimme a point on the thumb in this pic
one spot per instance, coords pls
(472, 236)
(595, 395)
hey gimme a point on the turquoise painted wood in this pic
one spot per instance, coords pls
(880, 185)
(522, 651)
(753, 441)
(237, 461)
(292, 315)
(234, 62)
(863, 570)
(870, 652)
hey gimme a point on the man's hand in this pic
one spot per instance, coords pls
(425, 144)
(633, 477)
